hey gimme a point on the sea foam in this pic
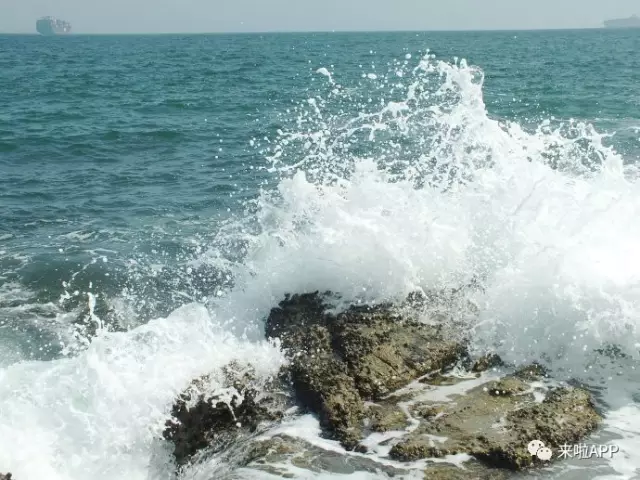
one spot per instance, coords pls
(384, 186)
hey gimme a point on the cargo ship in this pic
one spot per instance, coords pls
(50, 26)
(632, 22)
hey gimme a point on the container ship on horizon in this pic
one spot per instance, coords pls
(632, 22)
(50, 26)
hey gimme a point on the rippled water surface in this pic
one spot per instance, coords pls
(158, 194)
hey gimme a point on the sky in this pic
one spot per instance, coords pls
(184, 16)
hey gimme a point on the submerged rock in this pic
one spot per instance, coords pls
(272, 455)
(275, 453)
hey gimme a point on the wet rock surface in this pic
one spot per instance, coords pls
(484, 363)
(494, 422)
(285, 450)
(391, 389)
(204, 420)
(531, 372)
(384, 418)
(363, 353)
(471, 471)
(271, 454)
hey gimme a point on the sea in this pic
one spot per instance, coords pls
(160, 194)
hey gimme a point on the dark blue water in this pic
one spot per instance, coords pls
(126, 160)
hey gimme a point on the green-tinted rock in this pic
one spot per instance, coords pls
(415, 448)
(469, 426)
(337, 362)
(384, 352)
(266, 455)
(507, 386)
(566, 416)
(471, 471)
(360, 354)
(386, 417)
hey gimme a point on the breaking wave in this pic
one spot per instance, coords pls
(379, 186)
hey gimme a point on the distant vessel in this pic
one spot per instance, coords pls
(50, 26)
(632, 22)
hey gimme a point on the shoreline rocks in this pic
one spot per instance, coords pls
(495, 425)
(386, 383)
(203, 418)
(339, 361)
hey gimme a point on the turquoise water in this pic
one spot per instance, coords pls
(140, 174)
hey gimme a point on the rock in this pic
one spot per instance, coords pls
(263, 451)
(486, 362)
(428, 411)
(272, 453)
(323, 385)
(295, 314)
(363, 353)
(507, 386)
(202, 419)
(415, 448)
(611, 351)
(565, 416)
(384, 418)
(321, 381)
(385, 352)
(471, 471)
(378, 378)
(468, 425)
(266, 454)
(532, 372)
(440, 380)
(5, 476)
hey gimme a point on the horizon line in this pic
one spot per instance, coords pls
(284, 32)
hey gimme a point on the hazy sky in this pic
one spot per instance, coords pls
(131, 16)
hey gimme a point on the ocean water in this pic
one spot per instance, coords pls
(159, 194)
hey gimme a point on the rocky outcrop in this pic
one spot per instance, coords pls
(204, 418)
(363, 353)
(494, 422)
(389, 384)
